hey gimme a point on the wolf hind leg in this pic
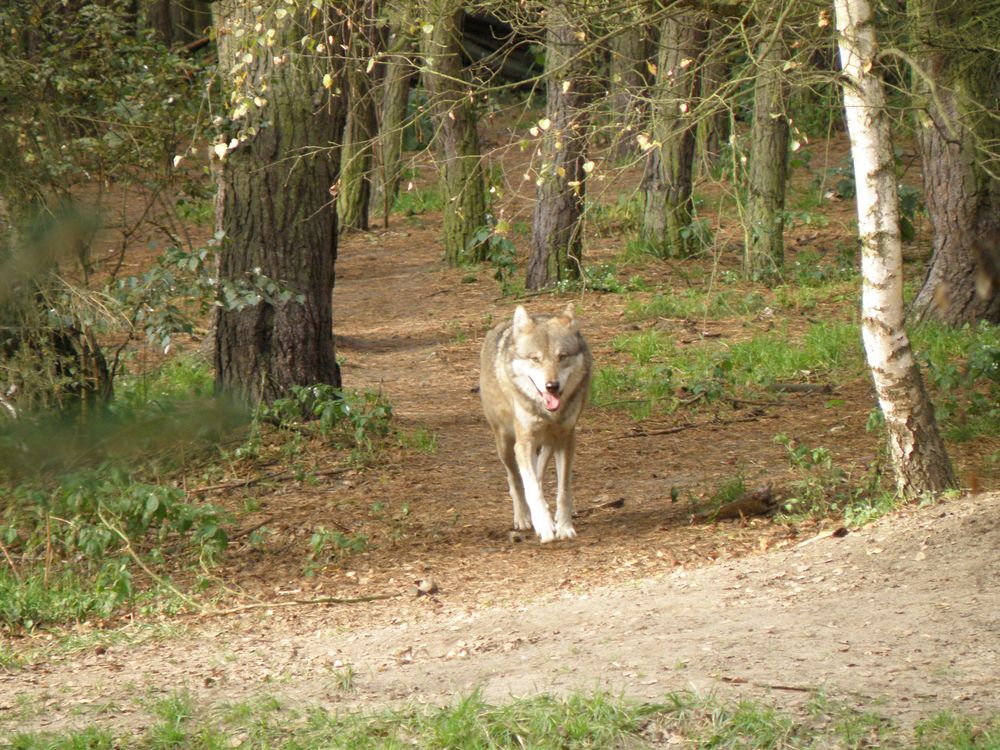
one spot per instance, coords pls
(522, 514)
(542, 457)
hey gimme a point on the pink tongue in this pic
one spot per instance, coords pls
(551, 401)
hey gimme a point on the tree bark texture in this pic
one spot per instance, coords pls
(714, 127)
(669, 172)
(359, 134)
(918, 454)
(764, 248)
(394, 94)
(456, 138)
(276, 210)
(178, 22)
(958, 130)
(630, 51)
(557, 219)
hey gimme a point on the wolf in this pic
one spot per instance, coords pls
(533, 381)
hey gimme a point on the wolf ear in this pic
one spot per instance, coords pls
(570, 313)
(522, 321)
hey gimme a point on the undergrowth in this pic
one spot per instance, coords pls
(95, 513)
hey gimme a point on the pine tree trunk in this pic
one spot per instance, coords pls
(359, 133)
(961, 177)
(456, 139)
(275, 209)
(668, 179)
(713, 128)
(764, 247)
(557, 226)
(394, 94)
(630, 52)
(918, 454)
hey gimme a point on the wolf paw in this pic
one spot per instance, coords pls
(545, 530)
(522, 524)
(564, 530)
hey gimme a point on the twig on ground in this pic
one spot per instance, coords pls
(252, 529)
(691, 426)
(297, 602)
(139, 561)
(801, 387)
(766, 685)
(276, 475)
(13, 567)
(620, 502)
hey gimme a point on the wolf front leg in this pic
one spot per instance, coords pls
(564, 494)
(505, 449)
(541, 519)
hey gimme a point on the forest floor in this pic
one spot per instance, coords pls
(901, 616)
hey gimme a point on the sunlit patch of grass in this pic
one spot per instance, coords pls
(825, 349)
(693, 304)
(419, 439)
(416, 201)
(657, 369)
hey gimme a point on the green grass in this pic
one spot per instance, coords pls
(658, 368)
(33, 599)
(418, 201)
(694, 304)
(180, 377)
(597, 721)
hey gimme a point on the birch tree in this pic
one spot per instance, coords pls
(918, 454)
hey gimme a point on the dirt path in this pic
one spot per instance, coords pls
(904, 615)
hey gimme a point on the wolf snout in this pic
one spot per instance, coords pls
(552, 386)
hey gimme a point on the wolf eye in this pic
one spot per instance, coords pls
(536, 358)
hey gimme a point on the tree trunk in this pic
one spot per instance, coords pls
(359, 134)
(918, 454)
(960, 173)
(557, 227)
(667, 182)
(280, 227)
(394, 95)
(713, 127)
(159, 18)
(630, 52)
(764, 248)
(456, 139)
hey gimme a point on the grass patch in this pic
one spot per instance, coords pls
(544, 722)
(658, 370)
(694, 304)
(417, 201)
(180, 377)
(35, 599)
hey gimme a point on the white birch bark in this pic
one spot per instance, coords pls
(918, 454)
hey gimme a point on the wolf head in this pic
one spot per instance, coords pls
(549, 356)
